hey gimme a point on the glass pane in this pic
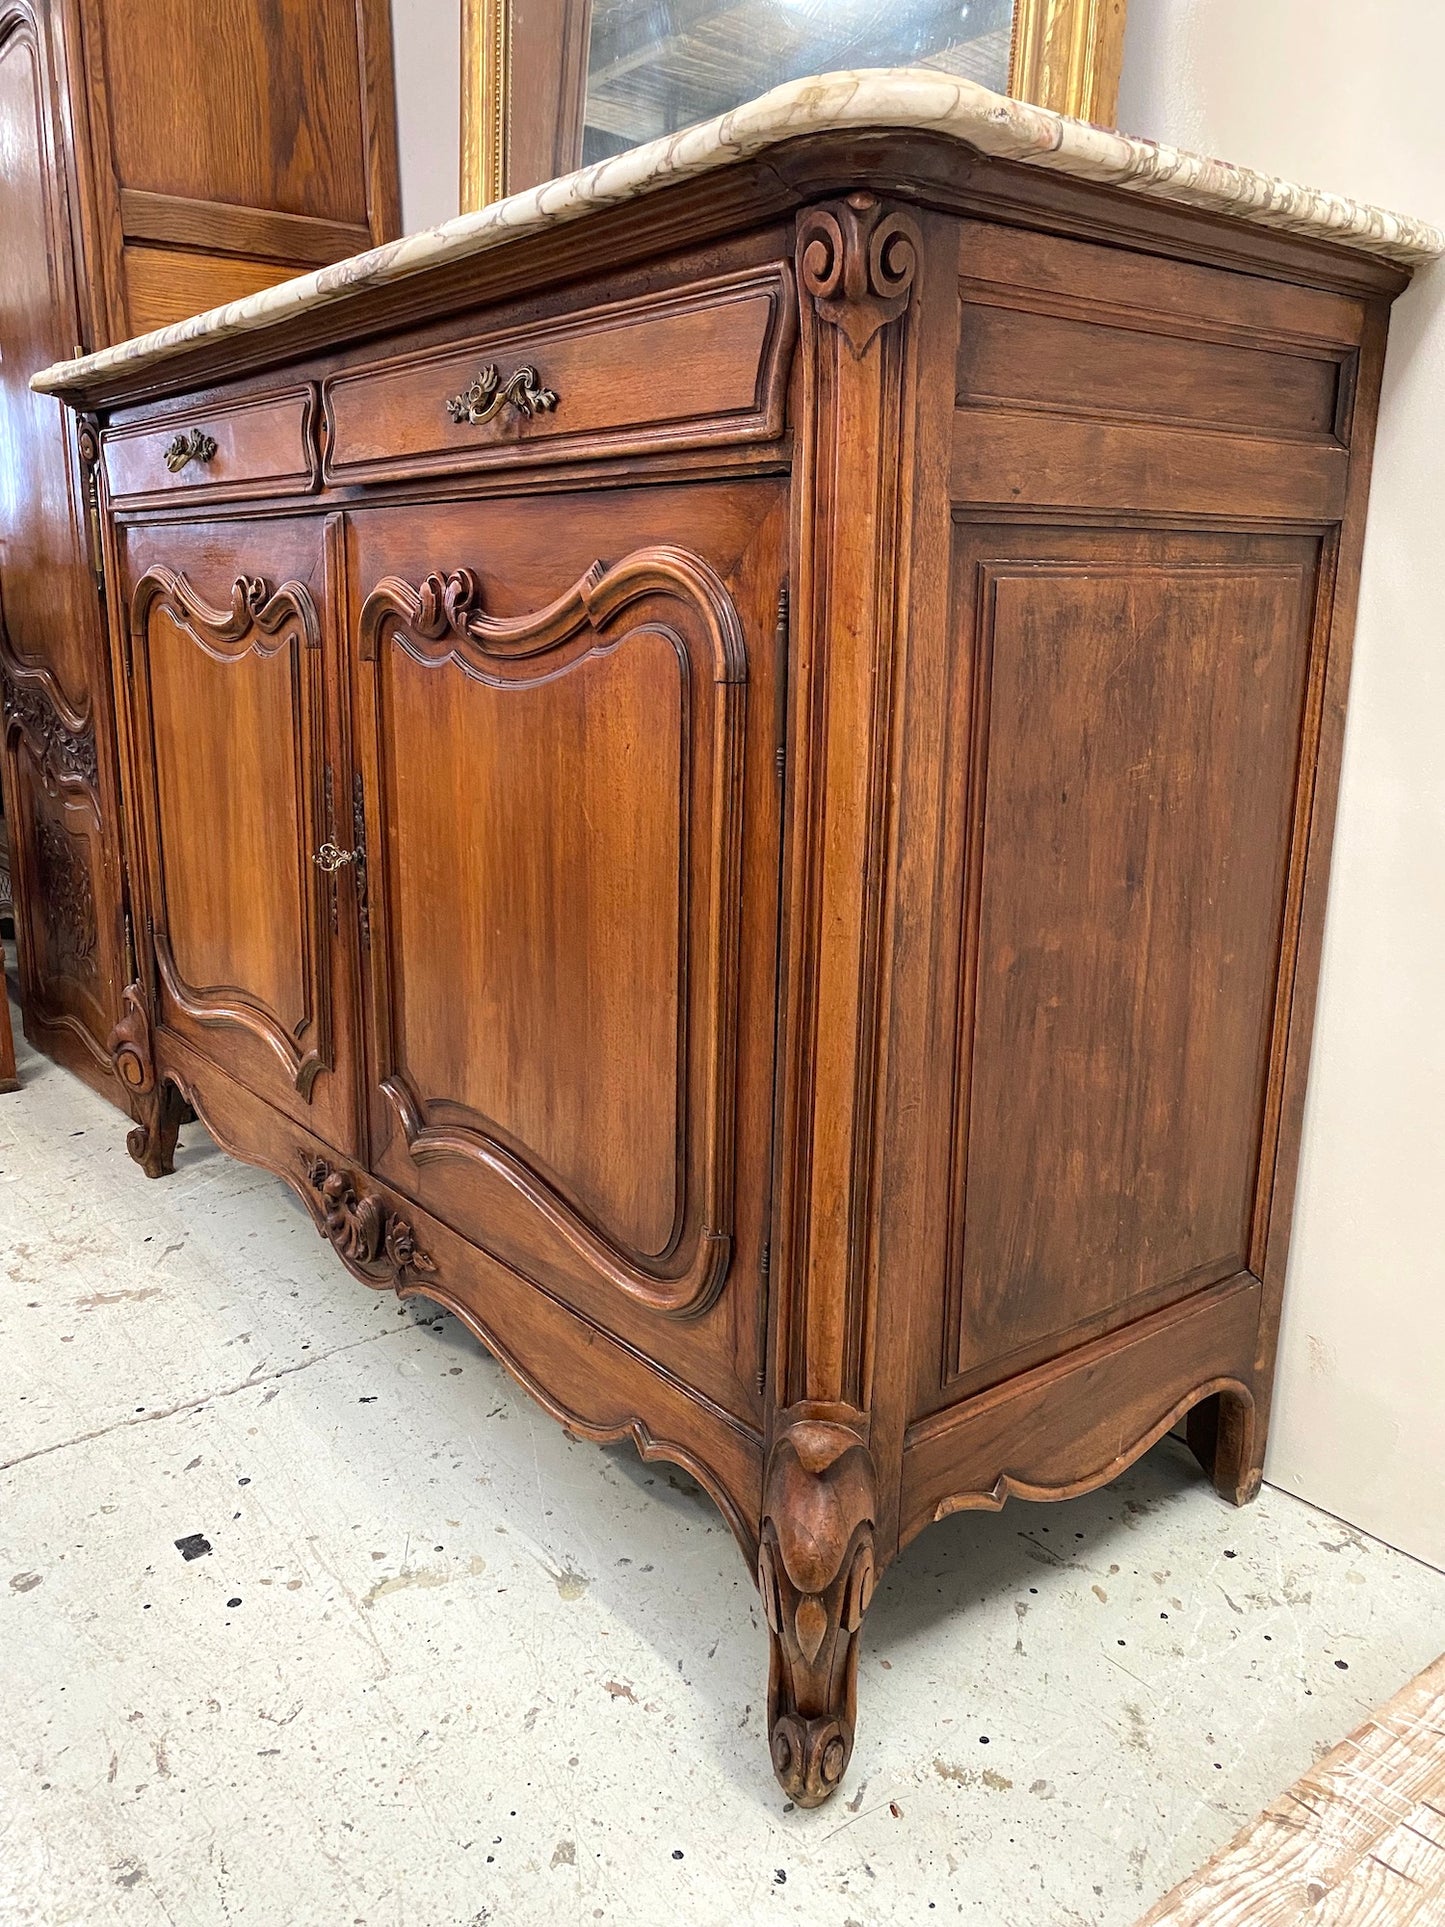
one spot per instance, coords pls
(654, 66)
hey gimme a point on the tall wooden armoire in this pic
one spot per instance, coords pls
(157, 157)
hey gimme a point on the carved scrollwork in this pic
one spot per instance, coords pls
(67, 753)
(816, 1574)
(129, 1045)
(157, 1107)
(376, 1243)
(858, 262)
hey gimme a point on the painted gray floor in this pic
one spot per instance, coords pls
(444, 1666)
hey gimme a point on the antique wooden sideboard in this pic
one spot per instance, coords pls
(729, 767)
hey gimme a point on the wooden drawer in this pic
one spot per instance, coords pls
(686, 370)
(255, 447)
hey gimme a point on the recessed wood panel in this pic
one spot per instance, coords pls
(1135, 731)
(1091, 367)
(536, 831)
(208, 101)
(165, 285)
(227, 757)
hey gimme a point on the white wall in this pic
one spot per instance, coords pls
(426, 37)
(1348, 95)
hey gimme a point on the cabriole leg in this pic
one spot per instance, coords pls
(159, 1116)
(816, 1576)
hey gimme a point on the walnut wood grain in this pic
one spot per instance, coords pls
(822, 894)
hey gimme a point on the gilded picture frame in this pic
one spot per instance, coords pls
(1064, 54)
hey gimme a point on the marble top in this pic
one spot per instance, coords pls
(905, 99)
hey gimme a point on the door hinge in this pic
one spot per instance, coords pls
(88, 440)
(781, 634)
(358, 843)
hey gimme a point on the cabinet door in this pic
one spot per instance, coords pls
(238, 791)
(572, 831)
(58, 771)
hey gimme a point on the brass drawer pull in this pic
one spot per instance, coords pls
(195, 447)
(331, 859)
(489, 394)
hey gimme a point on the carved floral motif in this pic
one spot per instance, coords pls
(67, 753)
(375, 1242)
(67, 901)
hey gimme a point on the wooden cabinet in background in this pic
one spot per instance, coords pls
(740, 794)
(156, 157)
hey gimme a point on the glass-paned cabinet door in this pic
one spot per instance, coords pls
(550, 85)
(654, 66)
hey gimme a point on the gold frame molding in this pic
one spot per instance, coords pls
(1066, 54)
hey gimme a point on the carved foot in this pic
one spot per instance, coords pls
(158, 1108)
(816, 1576)
(153, 1141)
(1224, 1436)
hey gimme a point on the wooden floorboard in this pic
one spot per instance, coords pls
(1358, 1842)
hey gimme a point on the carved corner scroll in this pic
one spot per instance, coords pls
(442, 619)
(373, 1241)
(857, 264)
(266, 622)
(816, 1574)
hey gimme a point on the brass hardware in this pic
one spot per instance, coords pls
(489, 394)
(330, 859)
(197, 446)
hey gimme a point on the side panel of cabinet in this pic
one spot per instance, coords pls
(567, 716)
(1131, 718)
(240, 761)
(59, 778)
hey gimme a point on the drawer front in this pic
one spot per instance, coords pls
(242, 448)
(687, 370)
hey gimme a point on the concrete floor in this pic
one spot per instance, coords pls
(444, 1667)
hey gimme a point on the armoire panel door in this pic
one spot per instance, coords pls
(572, 920)
(58, 770)
(243, 785)
(1131, 717)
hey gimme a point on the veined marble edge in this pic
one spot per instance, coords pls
(907, 99)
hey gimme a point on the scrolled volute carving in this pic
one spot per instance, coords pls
(446, 603)
(857, 262)
(373, 1241)
(816, 1574)
(129, 1045)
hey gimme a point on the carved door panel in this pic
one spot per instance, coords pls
(1126, 808)
(572, 907)
(59, 784)
(240, 789)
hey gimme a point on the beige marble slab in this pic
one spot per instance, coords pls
(905, 99)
